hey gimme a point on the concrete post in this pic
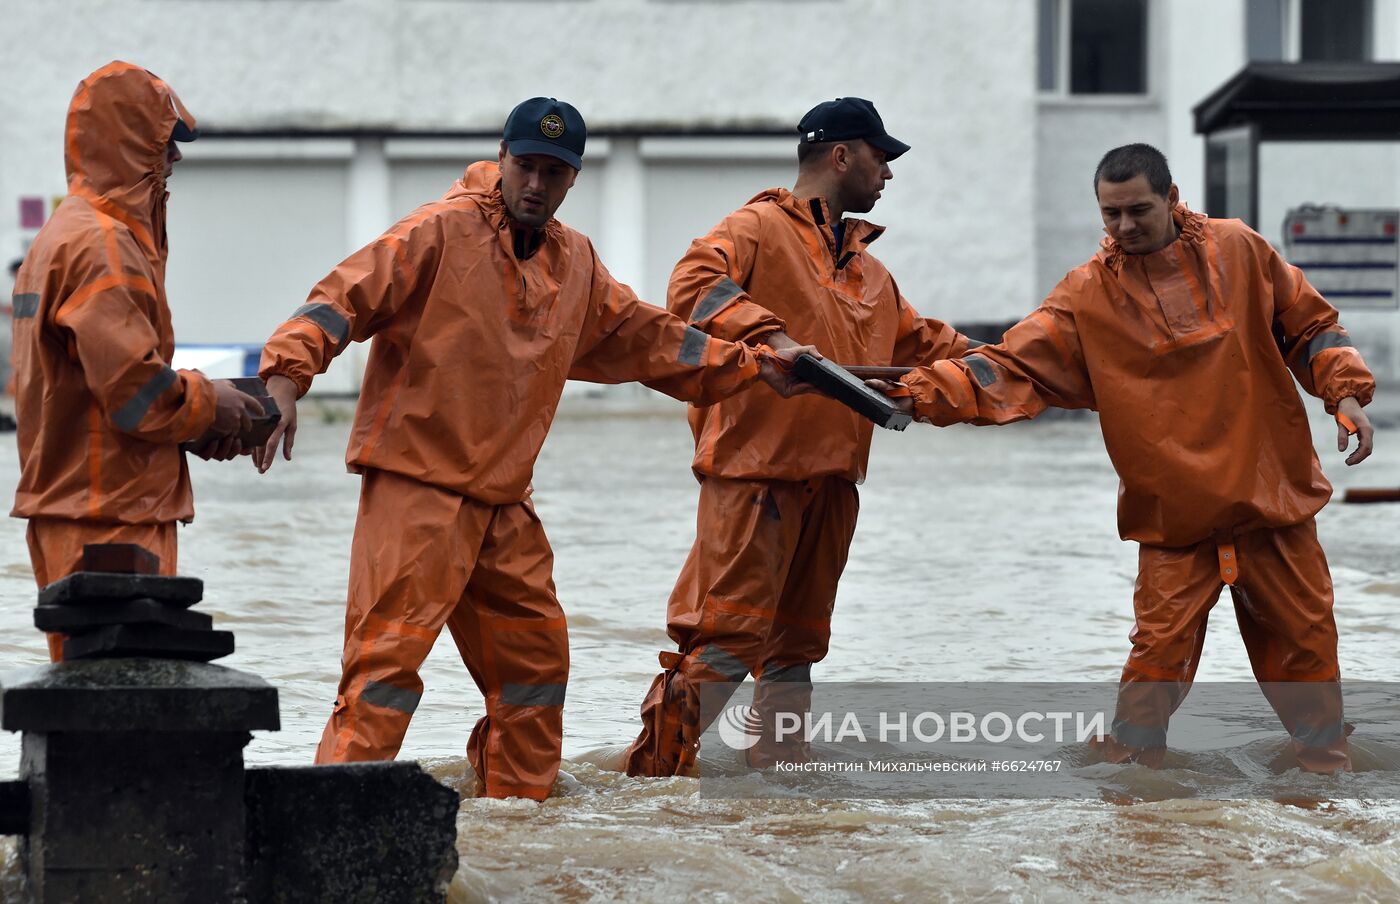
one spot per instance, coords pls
(135, 775)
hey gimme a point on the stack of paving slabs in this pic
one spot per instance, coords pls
(119, 605)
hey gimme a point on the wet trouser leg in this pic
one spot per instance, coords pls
(1176, 589)
(1283, 602)
(423, 557)
(739, 591)
(801, 631)
(56, 550)
(511, 632)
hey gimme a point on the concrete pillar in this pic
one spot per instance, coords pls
(135, 776)
(367, 210)
(623, 243)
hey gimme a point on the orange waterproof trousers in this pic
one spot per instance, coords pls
(1282, 592)
(423, 557)
(755, 597)
(56, 550)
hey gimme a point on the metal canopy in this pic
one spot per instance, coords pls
(1289, 102)
(1308, 101)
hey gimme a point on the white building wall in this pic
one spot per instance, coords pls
(954, 79)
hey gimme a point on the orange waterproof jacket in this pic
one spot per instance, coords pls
(101, 413)
(1186, 354)
(472, 344)
(778, 252)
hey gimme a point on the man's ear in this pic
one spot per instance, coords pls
(1173, 196)
(502, 155)
(841, 157)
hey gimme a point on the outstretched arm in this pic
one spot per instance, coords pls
(351, 304)
(1038, 364)
(625, 339)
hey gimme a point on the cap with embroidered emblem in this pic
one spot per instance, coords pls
(544, 125)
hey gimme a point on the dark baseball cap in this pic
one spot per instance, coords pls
(543, 125)
(847, 118)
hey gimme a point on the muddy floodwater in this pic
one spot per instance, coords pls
(982, 555)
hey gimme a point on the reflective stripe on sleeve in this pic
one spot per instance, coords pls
(693, 348)
(328, 318)
(724, 290)
(1323, 341)
(981, 368)
(26, 304)
(129, 416)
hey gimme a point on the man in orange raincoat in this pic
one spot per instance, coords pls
(778, 495)
(1182, 333)
(101, 413)
(481, 305)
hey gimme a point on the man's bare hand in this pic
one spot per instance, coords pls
(903, 403)
(776, 369)
(233, 409)
(221, 449)
(284, 393)
(1351, 419)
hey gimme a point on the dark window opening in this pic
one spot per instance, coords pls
(1108, 47)
(1334, 30)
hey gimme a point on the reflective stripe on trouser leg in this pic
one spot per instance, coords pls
(1283, 604)
(782, 700)
(720, 612)
(56, 551)
(409, 561)
(511, 633)
(1176, 589)
(737, 584)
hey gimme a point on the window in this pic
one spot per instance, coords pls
(1334, 30)
(1308, 30)
(1092, 46)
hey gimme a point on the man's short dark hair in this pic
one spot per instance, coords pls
(806, 150)
(1131, 161)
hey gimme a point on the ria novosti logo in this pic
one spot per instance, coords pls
(740, 726)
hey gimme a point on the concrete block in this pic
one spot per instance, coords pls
(148, 640)
(134, 816)
(95, 587)
(122, 558)
(378, 833)
(73, 619)
(155, 695)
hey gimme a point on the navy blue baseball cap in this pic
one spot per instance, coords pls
(543, 125)
(847, 118)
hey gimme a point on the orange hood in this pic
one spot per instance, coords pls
(119, 123)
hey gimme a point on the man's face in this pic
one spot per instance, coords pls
(534, 186)
(866, 174)
(172, 157)
(1135, 216)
